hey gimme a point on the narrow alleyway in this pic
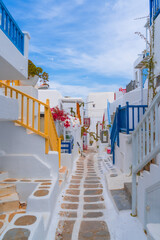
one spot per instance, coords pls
(82, 208)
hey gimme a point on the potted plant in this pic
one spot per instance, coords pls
(34, 74)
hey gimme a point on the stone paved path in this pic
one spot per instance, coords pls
(82, 209)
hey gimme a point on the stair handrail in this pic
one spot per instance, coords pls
(78, 112)
(49, 133)
(145, 143)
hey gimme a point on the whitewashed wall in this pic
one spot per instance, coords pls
(100, 102)
(8, 109)
(53, 95)
(13, 65)
(157, 45)
(24, 154)
(123, 154)
(133, 97)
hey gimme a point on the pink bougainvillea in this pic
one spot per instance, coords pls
(67, 123)
(61, 116)
(58, 114)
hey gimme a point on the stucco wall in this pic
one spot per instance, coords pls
(133, 97)
(53, 95)
(123, 154)
(157, 45)
(13, 65)
(8, 109)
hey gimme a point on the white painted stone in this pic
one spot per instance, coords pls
(45, 203)
(52, 159)
(37, 229)
(8, 109)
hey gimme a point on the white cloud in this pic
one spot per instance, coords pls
(79, 2)
(94, 37)
(82, 91)
(114, 46)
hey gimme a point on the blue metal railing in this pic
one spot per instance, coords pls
(154, 9)
(123, 123)
(114, 134)
(9, 26)
(67, 146)
(109, 116)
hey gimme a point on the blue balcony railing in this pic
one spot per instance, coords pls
(9, 26)
(109, 115)
(154, 9)
(67, 146)
(125, 120)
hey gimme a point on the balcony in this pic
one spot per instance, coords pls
(10, 28)
(14, 48)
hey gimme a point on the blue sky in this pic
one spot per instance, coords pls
(84, 45)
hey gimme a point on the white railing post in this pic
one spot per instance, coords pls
(134, 187)
(142, 153)
(134, 195)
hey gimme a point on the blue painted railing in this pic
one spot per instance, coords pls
(109, 115)
(67, 146)
(114, 134)
(154, 9)
(9, 26)
(122, 122)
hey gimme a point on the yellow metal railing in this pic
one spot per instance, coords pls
(11, 82)
(30, 117)
(78, 112)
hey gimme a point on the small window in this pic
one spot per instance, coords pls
(94, 105)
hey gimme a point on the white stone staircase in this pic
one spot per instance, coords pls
(148, 205)
(9, 199)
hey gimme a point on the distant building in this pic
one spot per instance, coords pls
(96, 104)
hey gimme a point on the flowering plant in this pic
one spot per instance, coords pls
(59, 114)
(67, 123)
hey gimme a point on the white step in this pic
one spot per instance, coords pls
(7, 189)
(63, 171)
(153, 230)
(9, 203)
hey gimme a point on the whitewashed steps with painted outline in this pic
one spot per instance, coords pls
(9, 203)
(7, 189)
(9, 199)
